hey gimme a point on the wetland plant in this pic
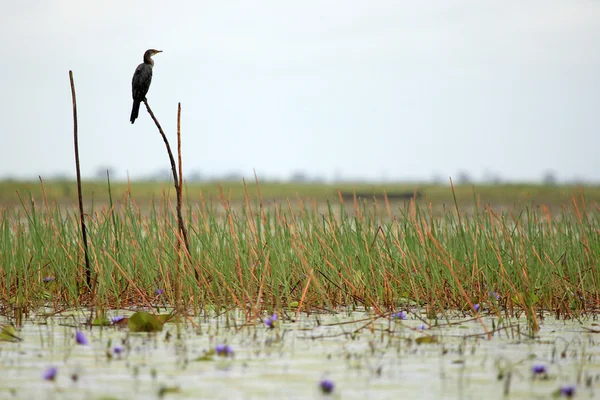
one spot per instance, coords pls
(494, 295)
(271, 321)
(223, 350)
(399, 315)
(539, 371)
(567, 391)
(50, 374)
(326, 386)
(81, 338)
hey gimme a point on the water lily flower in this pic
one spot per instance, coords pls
(223, 350)
(567, 390)
(80, 338)
(117, 350)
(399, 315)
(476, 307)
(158, 292)
(539, 369)
(48, 279)
(326, 386)
(50, 374)
(270, 321)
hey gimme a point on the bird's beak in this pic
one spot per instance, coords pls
(158, 51)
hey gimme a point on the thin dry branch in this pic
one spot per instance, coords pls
(88, 270)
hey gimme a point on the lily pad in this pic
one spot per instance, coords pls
(145, 322)
(101, 321)
(426, 340)
(8, 333)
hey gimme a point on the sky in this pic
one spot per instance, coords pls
(372, 90)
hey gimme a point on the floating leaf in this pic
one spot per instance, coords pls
(144, 322)
(101, 321)
(166, 390)
(208, 356)
(426, 340)
(294, 304)
(8, 333)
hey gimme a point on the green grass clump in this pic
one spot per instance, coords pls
(301, 256)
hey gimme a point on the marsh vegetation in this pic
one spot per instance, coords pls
(380, 298)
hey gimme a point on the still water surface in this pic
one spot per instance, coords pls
(365, 358)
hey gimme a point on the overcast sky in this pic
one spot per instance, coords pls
(339, 89)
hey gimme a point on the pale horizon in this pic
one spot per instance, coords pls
(386, 91)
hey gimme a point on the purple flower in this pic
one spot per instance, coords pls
(399, 315)
(422, 327)
(494, 295)
(326, 386)
(223, 350)
(117, 350)
(270, 321)
(158, 292)
(476, 307)
(116, 319)
(50, 374)
(48, 279)
(567, 390)
(80, 338)
(539, 369)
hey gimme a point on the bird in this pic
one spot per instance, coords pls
(141, 82)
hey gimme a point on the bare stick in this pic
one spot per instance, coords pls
(180, 222)
(179, 149)
(179, 307)
(88, 270)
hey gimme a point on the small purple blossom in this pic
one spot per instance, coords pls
(223, 350)
(117, 350)
(80, 338)
(326, 386)
(116, 319)
(270, 321)
(476, 307)
(49, 279)
(567, 390)
(158, 292)
(422, 327)
(494, 295)
(50, 374)
(539, 369)
(399, 315)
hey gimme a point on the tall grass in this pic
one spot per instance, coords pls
(298, 256)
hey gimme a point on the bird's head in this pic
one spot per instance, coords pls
(151, 52)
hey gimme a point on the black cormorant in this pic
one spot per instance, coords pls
(141, 82)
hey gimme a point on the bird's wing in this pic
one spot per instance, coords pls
(141, 81)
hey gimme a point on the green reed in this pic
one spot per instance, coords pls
(298, 256)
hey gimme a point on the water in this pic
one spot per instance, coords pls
(365, 358)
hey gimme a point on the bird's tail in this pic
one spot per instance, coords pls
(135, 111)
